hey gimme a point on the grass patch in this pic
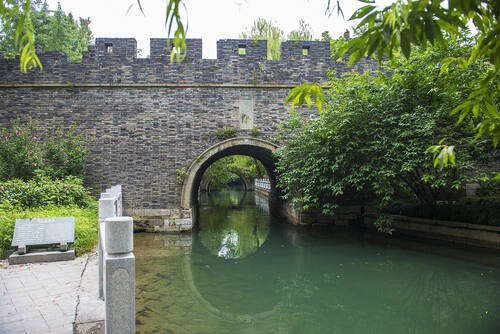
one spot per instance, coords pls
(86, 222)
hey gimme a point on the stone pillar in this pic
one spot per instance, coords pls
(106, 210)
(119, 268)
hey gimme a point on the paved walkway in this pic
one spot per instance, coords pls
(50, 297)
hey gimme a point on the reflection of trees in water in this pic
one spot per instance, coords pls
(230, 232)
(436, 299)
(225, 199)
(243, 290)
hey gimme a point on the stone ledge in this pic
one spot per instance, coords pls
(463, 233)
(45, 256)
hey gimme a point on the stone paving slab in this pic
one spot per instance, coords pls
(50, 297)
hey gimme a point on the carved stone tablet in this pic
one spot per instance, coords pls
(246, 114)
(44, 231)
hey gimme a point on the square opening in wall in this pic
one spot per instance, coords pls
(242, 49)
(305, 50)
(108, 47)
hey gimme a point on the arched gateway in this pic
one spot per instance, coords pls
(256, 148)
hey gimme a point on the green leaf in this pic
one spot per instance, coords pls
(405, 42)
(360, 12)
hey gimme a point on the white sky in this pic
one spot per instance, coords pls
(210, 20)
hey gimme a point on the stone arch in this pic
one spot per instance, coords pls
(253, 147)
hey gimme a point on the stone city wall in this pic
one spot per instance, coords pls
(144, 119)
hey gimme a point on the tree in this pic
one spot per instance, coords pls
(302, 33)
(400, 27)
(369, 142)
(230, 168)
(55, 31)
(24, 34)
(263, 29)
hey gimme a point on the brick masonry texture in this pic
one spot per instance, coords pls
(146, 118)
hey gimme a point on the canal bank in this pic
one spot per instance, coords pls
(463, 233)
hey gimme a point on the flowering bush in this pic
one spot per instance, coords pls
(20, 152)
(25, 152)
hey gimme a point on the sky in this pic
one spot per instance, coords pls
(210, 20)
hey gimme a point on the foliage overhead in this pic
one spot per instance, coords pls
(264, 29)
(24, 34)
(370, 141)
(55, 31)
(400, 27)
(230, 168)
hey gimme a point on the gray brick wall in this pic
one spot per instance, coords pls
(145, 118)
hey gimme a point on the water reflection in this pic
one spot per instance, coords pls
(275, 279)
(231, 226)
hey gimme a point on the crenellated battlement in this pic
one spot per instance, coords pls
(239, 49)
(239, 61)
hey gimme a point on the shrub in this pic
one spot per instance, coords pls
(24, 152)
(86, 222)
(42, 191)
(64, 154)
(225, 133)
(21, 152)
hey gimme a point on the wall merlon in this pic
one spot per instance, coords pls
(125, 48)
(242, 49)
(160, 49)
(317, 50)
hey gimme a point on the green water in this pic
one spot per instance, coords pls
(241, 272)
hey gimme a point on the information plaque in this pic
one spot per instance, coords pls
(44, 231)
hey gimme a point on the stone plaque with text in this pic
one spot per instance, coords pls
(44, 231)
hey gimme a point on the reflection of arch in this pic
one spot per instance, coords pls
(253, 147)
(288, 269)
(188, 277)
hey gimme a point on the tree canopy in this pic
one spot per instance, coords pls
(268, 30)
(55, 31)
(370, 141)
(230, 168)
(398, 28)
(35, 23)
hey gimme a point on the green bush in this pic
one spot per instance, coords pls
(25, 152)
(42, 191)
(474, 210)
(86, 221)
(225, 133)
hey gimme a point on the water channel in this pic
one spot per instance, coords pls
(244, 272)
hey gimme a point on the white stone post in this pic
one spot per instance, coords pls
(106, 210)
(119, 270)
